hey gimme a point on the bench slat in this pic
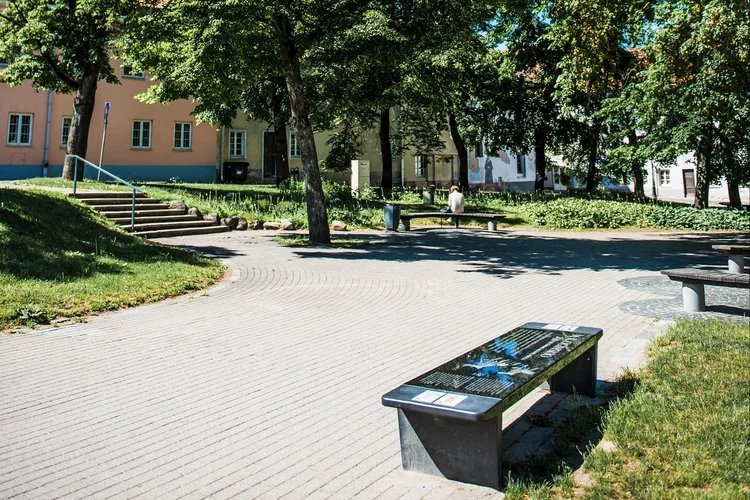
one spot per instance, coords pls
(701, 276)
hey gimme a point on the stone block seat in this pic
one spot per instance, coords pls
(694, 281)
(736, 255)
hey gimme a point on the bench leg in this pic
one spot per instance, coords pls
(736, 264)
(460, 450)
(693, 297)
(492, 225)
(579, 376)
(406, 223)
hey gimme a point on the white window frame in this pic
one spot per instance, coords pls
(665, 178)
(182, 126)
(63, 135)
(130, 71)
(232, 152)
(294, 151)
(141, 134)
(420, 166)
(16, 141)
(520, 165)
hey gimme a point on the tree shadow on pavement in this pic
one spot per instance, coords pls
(506, 254)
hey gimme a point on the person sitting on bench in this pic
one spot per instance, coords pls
(455, 202)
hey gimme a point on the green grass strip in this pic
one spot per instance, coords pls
(61, 259)
(685, 432)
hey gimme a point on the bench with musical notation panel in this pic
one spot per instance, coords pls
(450, 418)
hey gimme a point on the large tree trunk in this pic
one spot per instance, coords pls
(317, 216)
(703, 172)
(386, 180)
(78, 140)
(540, 154)
(463, 155)
(734, 194)
(591, 183)
(636, 169)
(280, 148)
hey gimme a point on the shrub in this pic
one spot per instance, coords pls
(579, 213)
(575, 213)
(703, 219)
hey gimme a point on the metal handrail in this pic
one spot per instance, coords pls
(75, 184)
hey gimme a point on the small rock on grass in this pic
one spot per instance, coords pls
(339, 226)
(272, 225)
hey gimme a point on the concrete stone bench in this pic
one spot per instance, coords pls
(694, 281)
(736, 255)
(450, 418)
(490, 218)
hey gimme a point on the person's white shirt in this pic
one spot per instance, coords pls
(456, 202)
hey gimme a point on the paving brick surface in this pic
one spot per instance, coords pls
(268, 385)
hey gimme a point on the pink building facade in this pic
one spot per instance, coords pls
(144, 142)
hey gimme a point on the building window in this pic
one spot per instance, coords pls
(183, 134)
(237, 143)
(520, 165)
(130, 70)
(479, 149)
(420, 165)
(66, 121)
(664, 178)
(294, 151)
(19, 129)
(3, 62)
(141, 134)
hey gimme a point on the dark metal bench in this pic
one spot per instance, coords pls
(736, 254)
(450, 418)
(693, 281)
(490, 218)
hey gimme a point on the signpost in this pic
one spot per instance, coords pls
(104, 136)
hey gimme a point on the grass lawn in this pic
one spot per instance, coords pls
(683, 432)
(270, 203)
(60, 259)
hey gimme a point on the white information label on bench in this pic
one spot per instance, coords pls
(450, 400)
(428, 396)
(562, 328)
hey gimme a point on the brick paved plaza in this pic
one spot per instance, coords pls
(268, 385)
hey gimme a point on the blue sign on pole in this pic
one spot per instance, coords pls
(106, 112)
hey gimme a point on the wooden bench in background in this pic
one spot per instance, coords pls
(694, 281)
(450, 418)
(491, 219)
(736, 254)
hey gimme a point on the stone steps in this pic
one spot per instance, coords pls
(153, 218)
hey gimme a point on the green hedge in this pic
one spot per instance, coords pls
(572, 213)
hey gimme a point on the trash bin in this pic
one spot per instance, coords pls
(235, 171)
(392, 215)
(428, 195)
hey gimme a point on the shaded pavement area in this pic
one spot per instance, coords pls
(268, 385)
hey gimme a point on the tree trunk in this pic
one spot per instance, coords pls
(636, 169)
(463, 155)
(78, 140)
(734, 194)
(591, 183)
(540, 154)
(280, 148)
(386, 180)
(702, 172)
(317, 216)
